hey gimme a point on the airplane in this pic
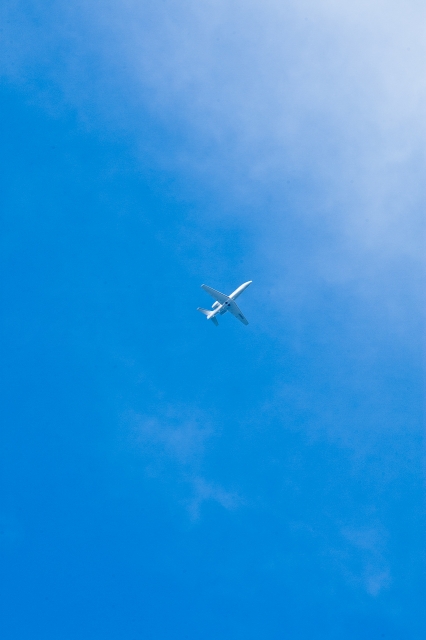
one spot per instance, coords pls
(224, 303)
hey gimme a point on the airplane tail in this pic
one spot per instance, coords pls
(207, 312)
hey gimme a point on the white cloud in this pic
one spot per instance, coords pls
(177, 434)
(312, 111)
(271, 89)
(204, 490)
(369, 543)
(330, 95)
(173, 445)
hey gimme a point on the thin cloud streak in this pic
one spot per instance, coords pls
(173, 444)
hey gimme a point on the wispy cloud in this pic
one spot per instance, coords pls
(173, 445)
(300, 122)
(369, 544)
(257, 97)
(265, 93)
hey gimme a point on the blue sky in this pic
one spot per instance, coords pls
(163, 478)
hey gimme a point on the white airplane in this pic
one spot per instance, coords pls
(224, 303)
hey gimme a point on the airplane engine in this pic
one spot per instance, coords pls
(215, 304)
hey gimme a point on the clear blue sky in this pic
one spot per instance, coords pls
(163, 478)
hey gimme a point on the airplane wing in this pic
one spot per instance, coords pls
(217, 295)
(235, 310)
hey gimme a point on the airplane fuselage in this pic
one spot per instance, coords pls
(224, 303)
(220, 309)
